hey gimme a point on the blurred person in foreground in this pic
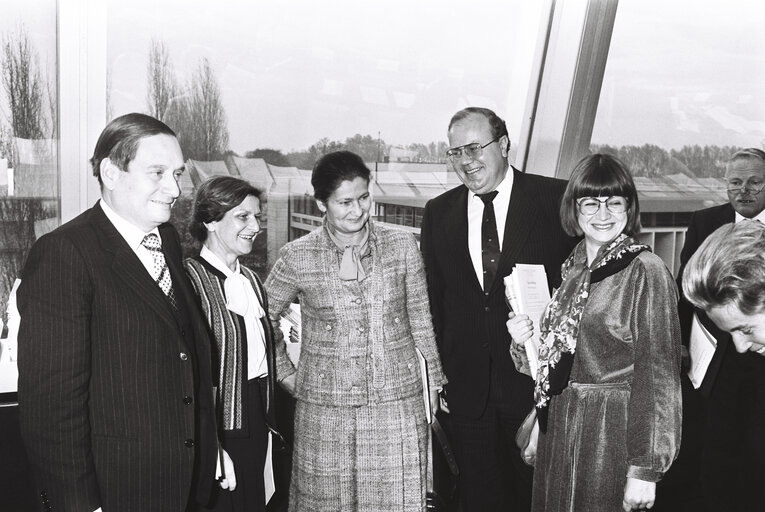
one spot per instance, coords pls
(226, 220)
(608, 385)
(725, 278)
(360, 420)
(115, 385)
(718, 411)
(472, 236)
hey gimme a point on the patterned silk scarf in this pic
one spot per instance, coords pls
(559, 326)
(351, 268)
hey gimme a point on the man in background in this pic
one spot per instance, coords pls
(724, 421)
(471, 238)
(115, 386)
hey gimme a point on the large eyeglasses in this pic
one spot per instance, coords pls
(754, 186)
(591, 205)
(473, 151)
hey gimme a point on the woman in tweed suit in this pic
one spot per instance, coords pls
(360, 421)
(227, 220)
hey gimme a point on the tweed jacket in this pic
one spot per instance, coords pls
(230, 347)
(357, 348)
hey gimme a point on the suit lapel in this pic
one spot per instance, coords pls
(517, 226)
(455, 218)
(129, 269)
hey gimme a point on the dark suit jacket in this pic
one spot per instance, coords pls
(470, 327)
(703, 223)
(115, 391)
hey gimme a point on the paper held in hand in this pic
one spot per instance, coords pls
(526, 293)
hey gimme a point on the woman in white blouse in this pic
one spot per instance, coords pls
(226, 220)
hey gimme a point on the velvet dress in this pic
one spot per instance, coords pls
(620, 415)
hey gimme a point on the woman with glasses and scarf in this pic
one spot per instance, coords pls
(607, 389)
(226, 220)
(360, 418)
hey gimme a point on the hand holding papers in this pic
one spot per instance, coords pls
(526, 293)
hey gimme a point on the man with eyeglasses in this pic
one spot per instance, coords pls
(723, 421)
(471, 238)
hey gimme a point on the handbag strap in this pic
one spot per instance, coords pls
(444, 443)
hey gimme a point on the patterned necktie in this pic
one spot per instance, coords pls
(489, 241)
(160, 272)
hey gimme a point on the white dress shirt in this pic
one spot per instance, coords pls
(760, 216)
(475, 218)
(257, 365)
(133, 235)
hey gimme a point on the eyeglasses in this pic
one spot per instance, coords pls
(473, 150)
(591, 205)
(753, 186)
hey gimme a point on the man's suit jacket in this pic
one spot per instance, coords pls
(703, 223)
(115, 388)
(470, 327)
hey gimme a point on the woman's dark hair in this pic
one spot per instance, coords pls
(214, 198)
(599, 175)
(334, 168)
(119, 140)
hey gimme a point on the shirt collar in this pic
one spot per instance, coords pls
(760, 216)
(504, 188)
(216, 262)
(132, 234)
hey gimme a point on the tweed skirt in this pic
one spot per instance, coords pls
(371, 458)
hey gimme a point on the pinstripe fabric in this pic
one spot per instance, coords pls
(101, 377)
(487, 396)
(470, 328)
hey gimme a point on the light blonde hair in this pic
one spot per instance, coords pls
(729, 267)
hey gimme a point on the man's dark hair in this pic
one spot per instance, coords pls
(119, 140)
(497, 124)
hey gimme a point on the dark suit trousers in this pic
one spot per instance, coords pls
(493, 477)
(248, 454)
(732, 470)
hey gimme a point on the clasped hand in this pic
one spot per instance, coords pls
(520, 327)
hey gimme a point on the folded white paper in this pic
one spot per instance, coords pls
(527, 294)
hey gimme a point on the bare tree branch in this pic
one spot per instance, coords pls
(23, 86)
(162, 85)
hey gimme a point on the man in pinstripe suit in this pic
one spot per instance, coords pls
(487, 397)
(115, 387)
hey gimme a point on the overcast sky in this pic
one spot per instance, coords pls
(291, 72)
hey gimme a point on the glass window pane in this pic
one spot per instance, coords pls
(29, 173)
(292, 80)
(684, 88)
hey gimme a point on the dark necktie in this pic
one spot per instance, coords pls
(160, 272)
(489, 241)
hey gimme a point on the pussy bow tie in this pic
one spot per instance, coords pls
(240, 297)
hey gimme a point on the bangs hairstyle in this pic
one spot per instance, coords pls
(599, 175)
(214, 198)
(729, 267)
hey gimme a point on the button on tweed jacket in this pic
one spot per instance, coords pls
(358, 339)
